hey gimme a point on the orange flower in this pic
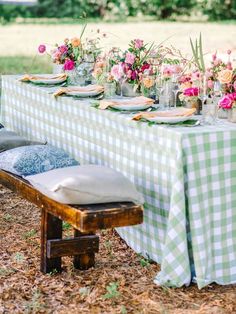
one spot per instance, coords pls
(148, 82)
(225, 76)
(75, 42)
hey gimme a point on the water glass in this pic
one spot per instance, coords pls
(209, 114)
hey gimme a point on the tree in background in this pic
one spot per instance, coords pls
(120, 9)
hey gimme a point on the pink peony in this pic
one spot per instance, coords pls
(117, 71)
(192, 91)
(226, 102)
(41, 48)
(63, 49)
(129, 58)
(138, 43)
(69, 65)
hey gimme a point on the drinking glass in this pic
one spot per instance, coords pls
(122, 79)
(209, 114)
(203, 89)
(175, 88)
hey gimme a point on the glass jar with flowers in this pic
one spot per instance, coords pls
(75, 57)
(228, 102)
(190, 98)
(130, 67)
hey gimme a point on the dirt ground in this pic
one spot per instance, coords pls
(24, 39)
(121, 282)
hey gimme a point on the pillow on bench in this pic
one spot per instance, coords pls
(9, 140)
(28, 160)
(88, 184)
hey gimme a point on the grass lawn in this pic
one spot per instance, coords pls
(24, 64)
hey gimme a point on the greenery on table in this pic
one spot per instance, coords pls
(120, 9)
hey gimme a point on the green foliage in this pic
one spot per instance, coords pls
(29, 234)
(219, 9)
(65, 226)
(112, 292)
(119, 9)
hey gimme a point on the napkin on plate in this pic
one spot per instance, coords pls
(82, 89)
(28, 77)
(178, 112)
(141, 100)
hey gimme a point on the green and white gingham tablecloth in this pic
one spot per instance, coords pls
(187, 176)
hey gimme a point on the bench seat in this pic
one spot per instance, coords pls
(85, 219)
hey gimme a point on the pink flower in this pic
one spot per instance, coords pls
(192, 91)
(133, 75)
(129, 58)
(145, 66)
(41, 48)
(117, 71)
(210, 84)
(229, 52)
(138, 43)
(229, 66)
(69, 65)
(196, 75)
(226, 102)
(214, 57)
(63, 49)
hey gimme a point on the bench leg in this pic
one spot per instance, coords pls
(83, 261)
(51, 228)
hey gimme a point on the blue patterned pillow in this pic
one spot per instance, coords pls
(29, 160)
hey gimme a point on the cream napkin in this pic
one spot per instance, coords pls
(179, 112)
(141, 100)
(82, 89)
(28, 77)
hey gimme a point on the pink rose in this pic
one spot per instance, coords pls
(117, 71)
(210, 84)
(69, 65)
(226, 102)
(138, 43)
(63, 49)
(192, 91)
(129, 58)
(145, 67)
(41, 48)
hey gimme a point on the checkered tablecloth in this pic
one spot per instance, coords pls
(187, 176)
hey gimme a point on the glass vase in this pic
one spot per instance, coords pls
(232, 115)
(109, 89)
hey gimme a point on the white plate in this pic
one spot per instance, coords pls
(131, 107)
(48, 81)
(169, 119)
(83, 94)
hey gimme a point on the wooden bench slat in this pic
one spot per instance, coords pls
(73, 246)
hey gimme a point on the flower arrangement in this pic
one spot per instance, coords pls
(74, 51)
(190, 94)
(228, 101)
(133, 63)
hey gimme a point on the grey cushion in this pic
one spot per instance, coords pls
(87, 184)
(9, 140)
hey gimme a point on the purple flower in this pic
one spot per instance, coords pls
(69, 65)
(41, 48)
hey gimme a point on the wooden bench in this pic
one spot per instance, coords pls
(85, 219)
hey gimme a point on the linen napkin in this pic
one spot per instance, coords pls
(82, 89)
(141, 100)
(28, 77)
(179, 112)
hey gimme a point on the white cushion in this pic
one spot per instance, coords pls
(88, 184)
